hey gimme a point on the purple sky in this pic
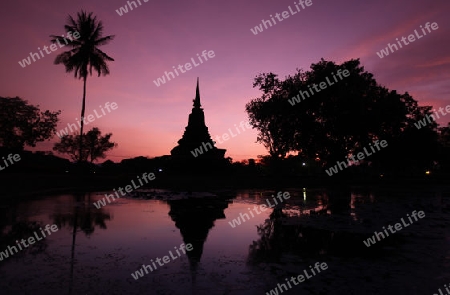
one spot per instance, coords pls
(156, 36)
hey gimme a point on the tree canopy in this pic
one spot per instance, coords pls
(94, 147)
(340, 117)
(23, 124)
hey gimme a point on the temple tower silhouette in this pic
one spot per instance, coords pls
(196, 146)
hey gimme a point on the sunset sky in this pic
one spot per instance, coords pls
(157, 35)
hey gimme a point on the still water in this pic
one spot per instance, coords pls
(96, 251)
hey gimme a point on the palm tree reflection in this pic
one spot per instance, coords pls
(84, 217)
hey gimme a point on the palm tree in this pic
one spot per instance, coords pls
(84, 54)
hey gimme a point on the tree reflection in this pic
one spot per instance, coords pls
(83, 216)
(17, 231)
(287, 232)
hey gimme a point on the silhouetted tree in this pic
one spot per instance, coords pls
(327, 124)
(24, 124)
(444, 148)
(444, 135)
(264, 115)
(94, 145)
(84, 54)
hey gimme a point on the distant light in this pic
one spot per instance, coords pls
(303, 163)
(427, 172)
(67, 171)
(160, 170)
(381, 175)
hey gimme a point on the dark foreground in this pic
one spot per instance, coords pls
(96, 250)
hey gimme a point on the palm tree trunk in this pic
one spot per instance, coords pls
(82, 117)
(74, 236)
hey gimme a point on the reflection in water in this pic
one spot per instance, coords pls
(293, 237)
(278, 238)
(194, 218)
(83, 216)
(295, 230)
(18, 231)
(339, 200)
(356, 202)
(13, 228)
(268, 247)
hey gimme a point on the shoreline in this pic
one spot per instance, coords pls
(51, 184)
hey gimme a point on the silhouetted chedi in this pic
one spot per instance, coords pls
(196, 136)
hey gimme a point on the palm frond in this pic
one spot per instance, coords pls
(104, 40)
(84, 55)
